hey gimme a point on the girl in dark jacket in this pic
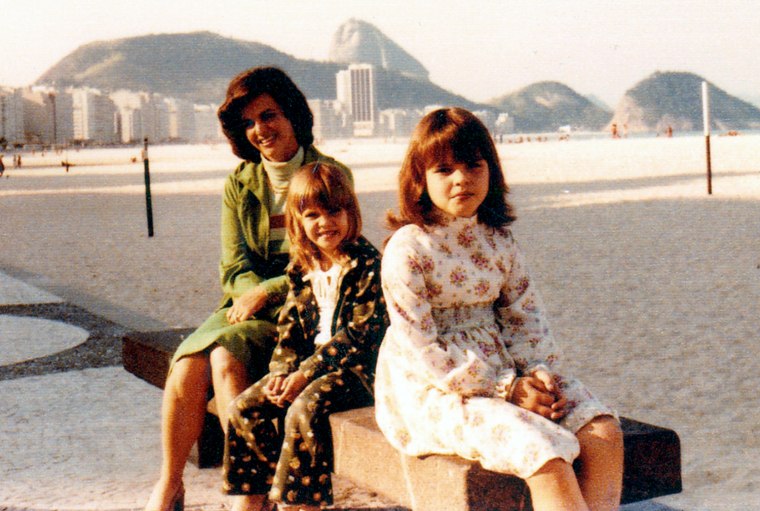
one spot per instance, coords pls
(330, 329)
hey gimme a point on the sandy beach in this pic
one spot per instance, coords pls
(652, 286)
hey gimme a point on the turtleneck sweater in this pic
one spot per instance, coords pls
(279, 175)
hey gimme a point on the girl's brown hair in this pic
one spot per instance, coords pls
(251, 84)
(444, 132)
(326, 187)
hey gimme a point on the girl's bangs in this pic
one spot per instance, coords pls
(318, 193)
(453, 142)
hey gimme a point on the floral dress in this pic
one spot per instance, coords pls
(466, 320)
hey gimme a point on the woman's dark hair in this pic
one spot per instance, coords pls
(443, 132)
(251, 84)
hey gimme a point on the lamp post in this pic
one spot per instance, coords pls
(148, 205)
(51, 96)
(706, 119)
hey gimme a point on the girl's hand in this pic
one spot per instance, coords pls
(274, 388)
(246, 305)
(531, 393)
(550, 382)
(292, 386)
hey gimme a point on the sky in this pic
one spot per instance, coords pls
(479, 49)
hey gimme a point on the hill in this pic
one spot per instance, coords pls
(359, 42)
(545, 106)
(675, 99)
(198, 66)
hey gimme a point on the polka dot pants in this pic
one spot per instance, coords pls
(293, 464)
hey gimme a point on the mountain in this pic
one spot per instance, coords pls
(359, 42)
(545, 106)
(198, 66)
(675, 99)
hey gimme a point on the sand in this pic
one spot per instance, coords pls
(652, 286)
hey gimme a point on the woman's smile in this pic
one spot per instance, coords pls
(268, 130)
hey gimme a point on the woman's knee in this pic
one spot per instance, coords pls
(191, 371)
(224, 364)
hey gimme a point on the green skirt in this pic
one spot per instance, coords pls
(251, 341)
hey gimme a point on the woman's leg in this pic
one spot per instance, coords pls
(182, 412)
(229, 377)
(601, 463)
(554, 487)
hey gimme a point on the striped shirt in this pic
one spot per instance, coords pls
(279, 175)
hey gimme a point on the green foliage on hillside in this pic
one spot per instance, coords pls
(677, 97)
(198, 66)
(545, 106)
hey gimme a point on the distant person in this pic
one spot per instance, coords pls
(669, 132)
(268, 123)
(614, 131)
(329, 333)
(2, 165)
(469, 366)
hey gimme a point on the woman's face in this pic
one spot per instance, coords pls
(268, 130)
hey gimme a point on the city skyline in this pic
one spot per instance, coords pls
(480, 50)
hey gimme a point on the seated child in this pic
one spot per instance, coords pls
(469, 366)
(330, 330)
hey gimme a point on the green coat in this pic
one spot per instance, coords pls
(246, 263)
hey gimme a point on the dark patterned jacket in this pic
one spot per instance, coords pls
(358, 325)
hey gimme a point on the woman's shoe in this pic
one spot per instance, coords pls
(177, 503)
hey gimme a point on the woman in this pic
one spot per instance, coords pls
(269, 125)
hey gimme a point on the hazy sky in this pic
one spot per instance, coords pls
(477, 48)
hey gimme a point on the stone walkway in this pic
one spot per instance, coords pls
(80, 433)
(77, 431)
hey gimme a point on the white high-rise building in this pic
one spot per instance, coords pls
(11, 115)
(128, 104)
(181, 117)
(356, 91)
(94, 116)
(328, 119)
(207, 126)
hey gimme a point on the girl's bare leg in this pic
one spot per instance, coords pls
(555, 488)
(229, 377)
(601, 463)
(182, 411)
(297, 507)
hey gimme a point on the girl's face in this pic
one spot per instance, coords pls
(457, 188)
(325, 228)
(268, 130)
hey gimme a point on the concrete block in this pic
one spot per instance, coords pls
(364, 457)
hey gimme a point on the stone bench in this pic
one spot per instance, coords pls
(364, 457)
(148, 355)
(431, 483)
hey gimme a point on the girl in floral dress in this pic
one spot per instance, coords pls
(468, 365)
(330, 329)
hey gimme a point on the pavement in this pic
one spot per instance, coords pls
(77, 431)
